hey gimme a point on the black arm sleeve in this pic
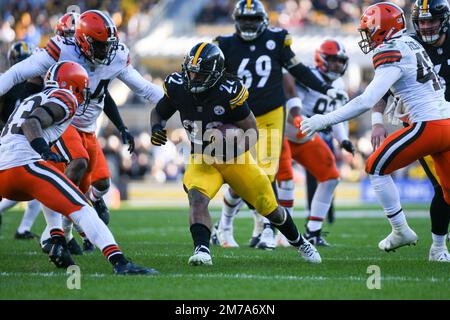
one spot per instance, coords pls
(239, 113)
(305, 76)
(112, 112)
(386, 96)
(164, 108)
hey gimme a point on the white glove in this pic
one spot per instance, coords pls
(312, 125)
(338, 94)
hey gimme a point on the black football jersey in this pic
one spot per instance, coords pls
(225, 103)
(440, 56)
(259, 64)
(14, 96)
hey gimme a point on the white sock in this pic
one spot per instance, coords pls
(321, 203)
(30, 215)
(286, 194)
(95, 194)
(67, 227)
(6, 204)
(230, 207)
(258, 225)
(80, 232)
(53, 219)
(96, 230)
(45, 234)
(438, 241)
(389, 199)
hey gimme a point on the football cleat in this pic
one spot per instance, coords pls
(267, 240)
(439, 254)
(226, 238)
(88, 247)
(397, 239)
(74, 247)
(201, 257)
(254, 241)
(60, 256)
(281, 240)
(309, 252)
(214, 240)
(130, 268)
(27, 235)
(315, 237)
(102, 210)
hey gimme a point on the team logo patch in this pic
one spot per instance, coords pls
(219, 110)
(252, 48)
(271, 44)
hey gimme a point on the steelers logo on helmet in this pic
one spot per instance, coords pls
(19, 51)
(430, 19)
(203, 67)
(250, 19)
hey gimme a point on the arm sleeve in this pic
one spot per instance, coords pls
(241, 112)
(35, 65)
(304, 75)
(165, 108)
(340, 132)
(134, 80)
(384, 78)
(112, 112)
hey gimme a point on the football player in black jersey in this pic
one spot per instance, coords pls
(257, 54)
(19, 51)
(208, 98)
(430, 19)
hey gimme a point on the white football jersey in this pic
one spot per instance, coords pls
(313, 102)
(15, 149)
(419, 87)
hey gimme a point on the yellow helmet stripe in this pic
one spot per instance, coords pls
(424, 6)
(197, 54)
(25, 46)
(249, 4)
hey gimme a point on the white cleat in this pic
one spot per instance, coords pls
(200, 259)
(397, 239)
(309, 252)
(439, 254)
(267, 240)
(281, 240)
(226, 238)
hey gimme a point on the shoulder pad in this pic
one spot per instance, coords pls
(171, 82)
(65, 98)
(53, 47)
(123, 55)
(387, 53)
(276, 30)
(238, 92)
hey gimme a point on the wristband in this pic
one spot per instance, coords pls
(377, 118)
(294, 102)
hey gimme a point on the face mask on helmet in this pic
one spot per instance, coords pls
(432, 21)
(335, 66)
(104, 52)
(429, 30)
(249, 27)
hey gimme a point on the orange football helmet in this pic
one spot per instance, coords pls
(65, 27)
(71, 76)
(97, 37)
(380, 22)
(331, 59)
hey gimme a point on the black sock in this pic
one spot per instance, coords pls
(200, 234)
(290, 231)
(58, 237)
(114, 255)
(440, 213)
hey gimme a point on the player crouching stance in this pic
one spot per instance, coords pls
(401, 65)
(207, 98)
(26, 171)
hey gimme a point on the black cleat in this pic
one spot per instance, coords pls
(315, 237)
(46, 245)
(254, 241)
(74, 247)
(27, 235)
(130, 268)
(88, 247)
(102, 210)
(60, 256)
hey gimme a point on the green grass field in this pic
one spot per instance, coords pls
(160, 238)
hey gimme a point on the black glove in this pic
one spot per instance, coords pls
(52, 156)
(159, 135)
(347, 145)
(127, 138)
(41, 146)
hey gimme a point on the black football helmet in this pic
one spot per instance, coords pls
(19, 51)
(250, 19)
(203, 67)
(431, 10)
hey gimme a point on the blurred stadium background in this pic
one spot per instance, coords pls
(159, 32)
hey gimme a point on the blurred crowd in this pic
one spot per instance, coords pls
(293, 14)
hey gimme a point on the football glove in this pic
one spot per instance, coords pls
(159, 135)
(41, 146)
(127, 138)
(338, 94)
(311, 125)
(52, 156)
(348, 146)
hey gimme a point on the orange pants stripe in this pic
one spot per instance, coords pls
(42, 181)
